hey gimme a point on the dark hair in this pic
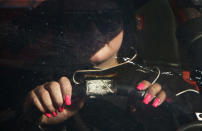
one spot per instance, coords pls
(100, 23)
(79, 27)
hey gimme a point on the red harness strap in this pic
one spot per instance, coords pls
(186, 77)
(140, 22)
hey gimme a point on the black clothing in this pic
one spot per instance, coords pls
(113, 112)
(102, 113)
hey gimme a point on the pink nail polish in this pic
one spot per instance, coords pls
(68, 100)
(54, 114)
(140, 86)
(156, 102)
(147, 99)
(48, 115)
(60, 109)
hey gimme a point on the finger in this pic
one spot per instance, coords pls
(152, 91)
(143, 85)
(33, 99)
(66, 89)
(159, 99)
(67, 113)
(55, 93)
(45, 99)
(77, 104)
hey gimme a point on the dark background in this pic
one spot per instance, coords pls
(156, 41)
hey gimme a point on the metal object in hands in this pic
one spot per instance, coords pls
(99, 87)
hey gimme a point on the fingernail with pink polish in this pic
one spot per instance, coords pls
(60, 109)
(54, 114)
(48, 115)
(68, 100)
(156, 102)
(140, 86)
(147, 99)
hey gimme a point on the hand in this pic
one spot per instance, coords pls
(53, 99)
(154, 91)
